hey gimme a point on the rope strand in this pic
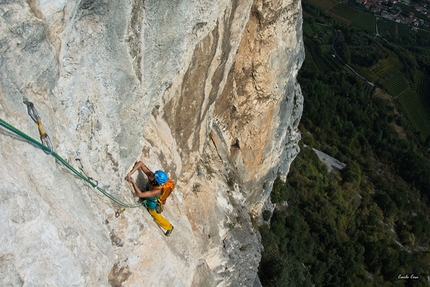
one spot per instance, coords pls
(49, 150)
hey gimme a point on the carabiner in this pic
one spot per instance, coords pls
(118, 212)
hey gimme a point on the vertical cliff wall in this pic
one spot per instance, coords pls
(203, 89)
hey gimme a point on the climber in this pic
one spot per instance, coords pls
(158, 189)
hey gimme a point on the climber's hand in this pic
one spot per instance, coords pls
(129, 178)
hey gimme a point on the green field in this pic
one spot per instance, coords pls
(395, 84)
(325, 34)
(423, 87)
(387, 66)
(367, 73)
(307, 29)
(316, 58)
(417, 111)
(325, 4)
(387, 28)
(404, 30)
(326, 49)
(423, 33)
(365, 21)
(343, 13)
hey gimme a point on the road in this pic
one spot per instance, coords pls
(336, 54)
(377, 31)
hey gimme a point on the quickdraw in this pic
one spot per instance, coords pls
(44, 137)
(81, 168)
(118, 212)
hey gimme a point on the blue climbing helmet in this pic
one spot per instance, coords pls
(161, 177)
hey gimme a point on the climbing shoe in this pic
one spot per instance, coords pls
(168, 232)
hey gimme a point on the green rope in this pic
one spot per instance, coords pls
(66, 164)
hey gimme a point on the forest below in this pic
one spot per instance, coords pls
(368, 224)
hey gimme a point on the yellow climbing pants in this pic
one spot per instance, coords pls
(160, 219)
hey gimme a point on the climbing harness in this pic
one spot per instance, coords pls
(46, 146)
(44, 137)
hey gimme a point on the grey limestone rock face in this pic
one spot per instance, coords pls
(204, 89)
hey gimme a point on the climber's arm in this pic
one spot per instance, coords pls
(150, 193)
(144, 168)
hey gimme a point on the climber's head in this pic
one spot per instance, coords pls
(161, 177)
